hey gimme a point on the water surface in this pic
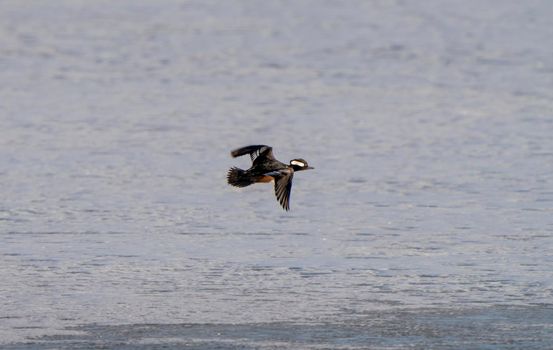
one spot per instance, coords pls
(427, 222)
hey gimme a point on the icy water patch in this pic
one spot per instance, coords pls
(487, 328)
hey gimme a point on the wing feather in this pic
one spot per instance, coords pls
(283, 186)
(255, 152)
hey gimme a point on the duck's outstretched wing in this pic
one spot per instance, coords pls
(255, 152)
(283, 186)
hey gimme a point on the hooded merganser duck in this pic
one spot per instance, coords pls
(265, 168)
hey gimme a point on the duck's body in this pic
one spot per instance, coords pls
(266, 168)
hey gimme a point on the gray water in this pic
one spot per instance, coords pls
(426, 224)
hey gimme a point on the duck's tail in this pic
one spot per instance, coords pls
(238, 177)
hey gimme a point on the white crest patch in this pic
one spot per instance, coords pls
(298, 163)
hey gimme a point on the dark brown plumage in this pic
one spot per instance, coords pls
(265, 168)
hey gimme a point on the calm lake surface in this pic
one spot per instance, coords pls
(427, 223)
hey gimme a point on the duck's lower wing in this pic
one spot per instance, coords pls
(283, 186)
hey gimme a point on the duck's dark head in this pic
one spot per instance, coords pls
(299, 164)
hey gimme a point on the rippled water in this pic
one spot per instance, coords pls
(427, 222)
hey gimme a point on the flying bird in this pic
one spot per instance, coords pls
(266, 168)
